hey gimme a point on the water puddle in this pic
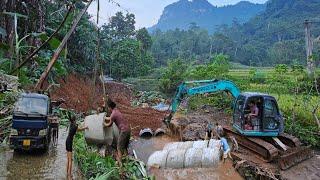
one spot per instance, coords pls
(36, 165)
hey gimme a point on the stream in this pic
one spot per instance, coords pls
(36, 165)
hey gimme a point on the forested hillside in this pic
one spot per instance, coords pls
(120, 44)
(182, 13)
(273, 37)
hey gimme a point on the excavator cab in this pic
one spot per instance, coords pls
(266, 122)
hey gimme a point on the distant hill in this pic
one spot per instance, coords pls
(184, 12)
(277, 34)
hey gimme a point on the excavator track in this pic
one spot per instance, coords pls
(257, 145)
(267, 149)
(289, 140)
(294, 156)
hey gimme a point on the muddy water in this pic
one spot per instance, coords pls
(224, 171)
(35, 165)
(145, 147)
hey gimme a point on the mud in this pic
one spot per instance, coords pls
(80, 94)
(193, 125)
(37, 165)
(224, 171)
(308, 169)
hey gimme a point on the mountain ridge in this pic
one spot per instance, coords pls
(184, 12)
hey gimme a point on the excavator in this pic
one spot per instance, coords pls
(266, 137)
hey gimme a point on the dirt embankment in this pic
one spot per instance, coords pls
(81, 95)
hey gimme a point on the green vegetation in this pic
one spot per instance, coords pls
(7, 101)
(93, 166)
(296, 93)
(275, 36)
(90, 163)
(123, 51)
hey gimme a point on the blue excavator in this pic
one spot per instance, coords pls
(265, 136)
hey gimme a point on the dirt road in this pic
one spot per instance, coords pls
(35, 165)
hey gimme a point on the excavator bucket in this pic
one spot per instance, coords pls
(294, 156)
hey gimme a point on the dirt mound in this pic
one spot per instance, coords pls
(193, 125)
(119, 92)
(80, 94)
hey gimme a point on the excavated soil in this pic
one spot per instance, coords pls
(81, 95)
(193, 124)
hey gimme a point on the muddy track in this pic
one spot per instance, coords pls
(36, 165)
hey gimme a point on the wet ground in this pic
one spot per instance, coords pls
(307, 170)
(145, 147)
(224, 171)
(36, 165)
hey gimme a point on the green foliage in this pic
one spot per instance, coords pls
(121, 27)
(144, 37)
(222, 101)
(173, 75)
(297, 68)
(93, 166)
(218, 68)
(275, 36)
(128, 60)
(257, 76)
(281, 69)
(306, 133)
(90, 163)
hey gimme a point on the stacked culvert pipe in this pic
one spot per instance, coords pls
(187, 155)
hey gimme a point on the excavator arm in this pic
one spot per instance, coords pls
(190, 88)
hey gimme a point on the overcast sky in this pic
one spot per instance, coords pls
(147, 12)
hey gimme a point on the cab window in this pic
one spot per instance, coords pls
(270, 114)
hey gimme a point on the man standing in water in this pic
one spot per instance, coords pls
(73, 128)
(123, 126)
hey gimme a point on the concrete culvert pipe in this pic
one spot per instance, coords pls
(97, 134)
(186, 145)
(175, 158)
(159, 132)
(193, 158)
(200, 144)
(158, 159)
(146, 133)
(172, 146)
(210, 157)
(214, 144)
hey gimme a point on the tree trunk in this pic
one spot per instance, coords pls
(59, 49)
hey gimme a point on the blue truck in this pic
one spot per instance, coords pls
(30, 125)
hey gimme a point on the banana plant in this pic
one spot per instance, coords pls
(18, 47)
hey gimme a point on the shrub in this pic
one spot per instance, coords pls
(257, 76)
(172, 76)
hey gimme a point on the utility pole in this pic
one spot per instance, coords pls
(309, 47)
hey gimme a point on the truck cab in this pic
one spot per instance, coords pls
(30, 126)
(269, 121)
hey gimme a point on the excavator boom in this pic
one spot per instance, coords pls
(190, 88)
